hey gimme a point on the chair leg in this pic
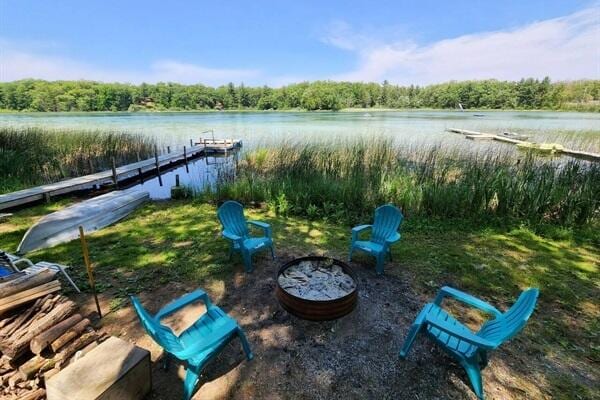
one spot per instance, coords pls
(166, 361)
(272, 253)
(380, 262)
(245, 344)
(231, 252)
(191, 380)
(410, 339)
(414, 331)
(351, 251)
(474, 374)
(68, 278)
(247, 260)
(390, 254)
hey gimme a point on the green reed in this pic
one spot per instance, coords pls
(344, 182)
(30, 156)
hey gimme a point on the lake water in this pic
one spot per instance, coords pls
(264, 128)
(176, 129)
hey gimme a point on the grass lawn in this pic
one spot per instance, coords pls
(556, 356)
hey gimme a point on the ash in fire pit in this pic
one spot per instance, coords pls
(316, 280)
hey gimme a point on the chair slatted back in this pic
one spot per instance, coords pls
(231, 215)
(510, 323)
(160, 333)
(387, 221)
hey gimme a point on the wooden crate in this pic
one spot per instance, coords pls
(114, 370)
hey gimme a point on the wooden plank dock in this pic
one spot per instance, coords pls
(474, 135)
(204, 148)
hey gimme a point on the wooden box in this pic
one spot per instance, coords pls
(114, 370)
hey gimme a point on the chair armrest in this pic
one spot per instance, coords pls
(465, 298)
(463, 335)
(183, 301)
(263, 225)
(358, 229)
(231, 236)
(392, 238)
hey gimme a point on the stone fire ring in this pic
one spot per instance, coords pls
(318, 310)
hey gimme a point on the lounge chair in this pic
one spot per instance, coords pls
(468, 348)
(384, 233)
(11, 261)
(235, 229)
(197, 344)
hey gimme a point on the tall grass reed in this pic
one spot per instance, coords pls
(31, 156)
(344, 182)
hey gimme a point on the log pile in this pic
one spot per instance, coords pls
(39, 336)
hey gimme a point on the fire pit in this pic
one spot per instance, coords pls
(317, 288)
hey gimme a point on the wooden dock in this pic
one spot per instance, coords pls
(474, 135)
(204, 148)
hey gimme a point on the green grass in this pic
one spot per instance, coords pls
(345, 181)
(179, 241)
(32, 156)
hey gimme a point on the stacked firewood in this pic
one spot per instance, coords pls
(37, 340)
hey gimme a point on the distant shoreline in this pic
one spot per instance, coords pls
(299, 110)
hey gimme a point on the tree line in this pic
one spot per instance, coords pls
(39, 95)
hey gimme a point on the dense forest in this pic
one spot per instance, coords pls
(38, 95)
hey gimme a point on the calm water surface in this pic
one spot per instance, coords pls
(254, 128)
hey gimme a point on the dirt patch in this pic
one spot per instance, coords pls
(354, 357)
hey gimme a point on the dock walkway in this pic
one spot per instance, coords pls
(474, 135)
(202, 148)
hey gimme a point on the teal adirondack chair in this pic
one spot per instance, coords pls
(384, 233)
(468, 348)
(197, 344)
(235, 228)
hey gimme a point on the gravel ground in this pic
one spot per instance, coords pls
(354, 357)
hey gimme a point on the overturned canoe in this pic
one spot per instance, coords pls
(93, 214)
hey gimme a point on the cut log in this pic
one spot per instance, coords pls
(41, 341)
(26, 281)
(18, 343)
(35, 365)
(69, 335)
(35, 395)
(41, 364)
(25, 300)
(27, 293)
(16, 324)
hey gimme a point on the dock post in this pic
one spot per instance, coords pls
(141, 175)
(204, 151)
(177, 180)
(114, 173)
(157, 166)
(168, 149)
(191, 143)
(47, 197)
(91, 165)
(185, 160)
(138, 156)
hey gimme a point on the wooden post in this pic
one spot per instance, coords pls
(204, 151)
(191, 143)
(91, 165)
(88, 266)
(114, 173)
(177, 180)
(185, 160)
(47, 197)
(138, 156)
(168, 149)
(141, 175)
(157, 166)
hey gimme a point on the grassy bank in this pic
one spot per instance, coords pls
(555, 357)
(31, 156)
(344, 182)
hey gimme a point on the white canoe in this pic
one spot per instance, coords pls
(93, 214)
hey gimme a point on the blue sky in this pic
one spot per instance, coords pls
(278, 42)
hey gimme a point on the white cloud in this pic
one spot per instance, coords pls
(563, 48)
(20, 64)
